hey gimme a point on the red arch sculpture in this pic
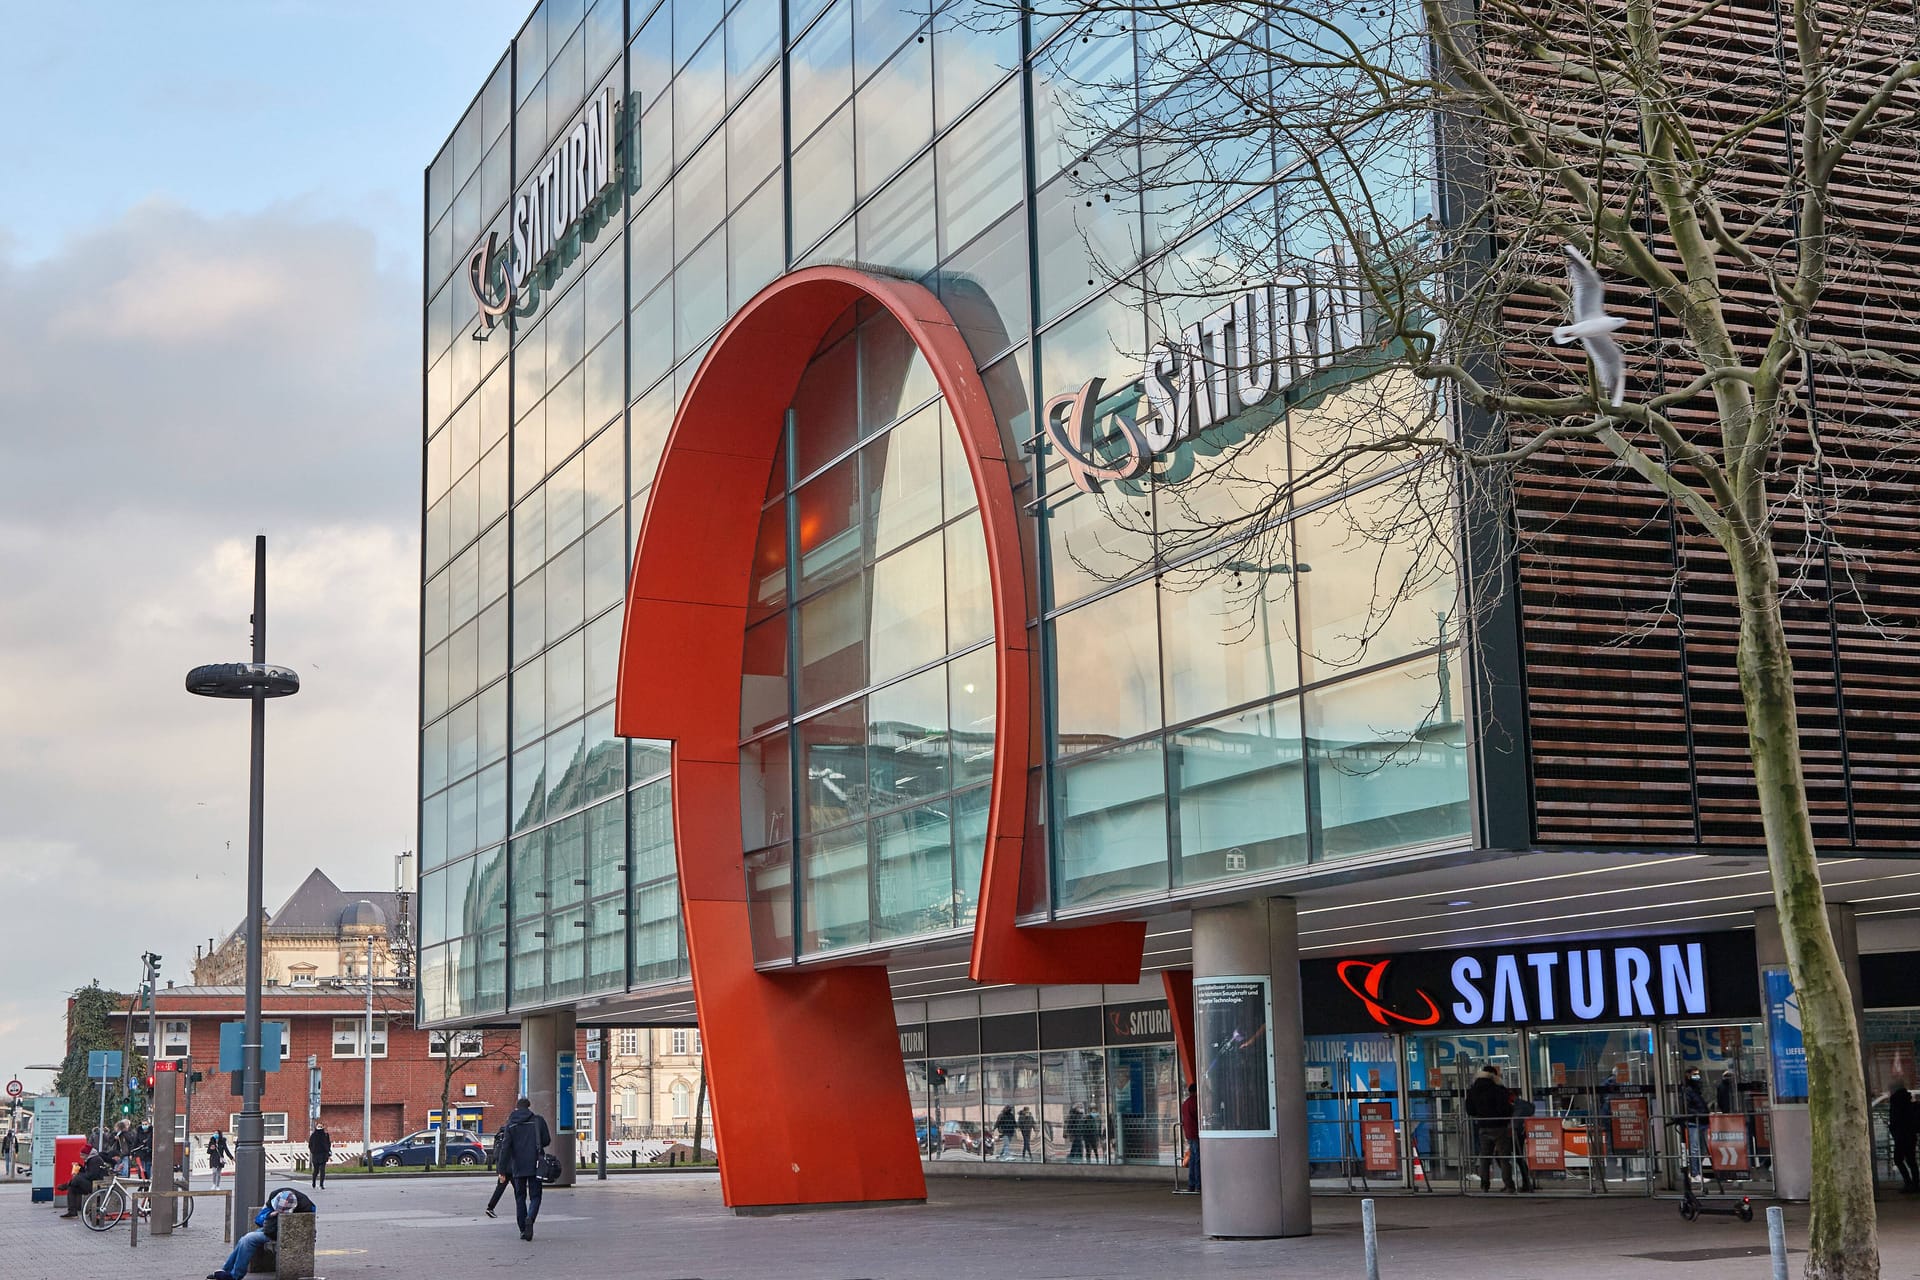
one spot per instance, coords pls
(795, 1054)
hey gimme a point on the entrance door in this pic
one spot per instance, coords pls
(1439, 1068)
(1597, 1082)
(1716, 1086)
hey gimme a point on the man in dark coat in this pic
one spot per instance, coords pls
(1903, 1126)
(319, 1151)
(522, 1139)
(91, 1172)
(1490, 1107)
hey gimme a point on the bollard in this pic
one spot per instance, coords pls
(1777, 1240)
(1372, 1244)
(633, 1159)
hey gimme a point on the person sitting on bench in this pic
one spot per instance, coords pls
(95, 1168)
(266, 1230)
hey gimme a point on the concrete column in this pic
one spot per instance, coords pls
(1791, 1125)
(543, 1038)
(1255, 1186)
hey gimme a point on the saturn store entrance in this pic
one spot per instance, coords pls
(1621, 1067)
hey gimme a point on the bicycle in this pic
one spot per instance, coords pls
(121, 1198)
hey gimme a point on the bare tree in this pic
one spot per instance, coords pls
(451, 1045)
(1412, 175)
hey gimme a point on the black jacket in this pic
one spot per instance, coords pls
(1903, 1114)
(1488, 1099)
(94, 1168)
(320, 1146)
(271, 1227)
(522, 1139)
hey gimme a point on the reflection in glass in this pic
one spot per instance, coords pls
(832, 750)
(907, 740)
(1107, 670)
(913, 872)
(1388, 758)
(1241, 793)
(1113, 825)
(833, 890)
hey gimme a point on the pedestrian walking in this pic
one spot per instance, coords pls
(1903, 1126)
(319, 1151)
(1190, 1130)
(1489, 1108)
(218, 1153)
(1693, 1118)
(522, 1142)
(1004, 1127)
(1026, 1133)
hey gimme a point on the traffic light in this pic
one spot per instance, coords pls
(127, 1105)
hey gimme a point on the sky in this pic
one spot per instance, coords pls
(209, 329)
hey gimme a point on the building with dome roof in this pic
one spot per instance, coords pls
(319, 933)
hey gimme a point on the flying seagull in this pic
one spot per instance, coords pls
(1592, 326)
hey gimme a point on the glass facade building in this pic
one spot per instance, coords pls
(1203, 719)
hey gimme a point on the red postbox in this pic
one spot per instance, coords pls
(68, 1153)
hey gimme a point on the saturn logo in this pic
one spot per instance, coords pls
(484, 270)
(1368, 993)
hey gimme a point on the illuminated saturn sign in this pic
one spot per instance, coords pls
(562, 194)
(1248, 353)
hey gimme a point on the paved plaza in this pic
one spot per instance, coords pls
(673, 1226)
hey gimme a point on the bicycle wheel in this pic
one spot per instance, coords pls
(104, 1208)
(186, 1210)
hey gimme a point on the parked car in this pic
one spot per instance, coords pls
(955, 1135)
(418, 1148)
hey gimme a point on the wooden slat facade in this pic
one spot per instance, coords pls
(1628, 622)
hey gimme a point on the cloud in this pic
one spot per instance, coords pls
(170, 384)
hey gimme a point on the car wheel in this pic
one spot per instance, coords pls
(391, 1162)
(468, 1158)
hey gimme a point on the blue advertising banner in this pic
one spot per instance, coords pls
(1362, 1066)
(563, 1091)
(1786, 1043)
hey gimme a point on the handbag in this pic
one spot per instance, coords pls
(547, 1168)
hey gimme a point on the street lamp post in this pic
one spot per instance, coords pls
(256, 682)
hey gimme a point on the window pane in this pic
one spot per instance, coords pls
(763, 680)
(980, 169)
(894, 114)
(971, 682)
(827, 194)
(699, 197)
(700, 295)
(913, 872)
(756, 245)
(1227, 635)
(766, 792)
(974, 47)
(896, 227)
(969, 588)
(1242, 794)
(770, 902)
(753, 42)
(969, 850)
(833, 766)
(1112, 817)
(1107, 670)
(827, 520)
(985, 287)
(901, 472)
(833, 890)
(820, 71)
(699, 94)
(909, 625)
(907, 740)
(1374, 582)
(753, 136)
(1388, 758)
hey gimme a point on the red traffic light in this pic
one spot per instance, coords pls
(149, 1084)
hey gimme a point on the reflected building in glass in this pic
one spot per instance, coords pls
(1304, 715)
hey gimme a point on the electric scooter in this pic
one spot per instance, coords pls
(1692, 1206)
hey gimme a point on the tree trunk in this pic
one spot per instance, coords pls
(1842, 1242)
(700, 1109)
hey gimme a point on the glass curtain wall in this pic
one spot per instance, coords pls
(1191, 741)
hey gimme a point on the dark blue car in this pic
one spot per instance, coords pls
(418, 1148)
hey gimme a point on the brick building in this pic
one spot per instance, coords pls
(327, 1022)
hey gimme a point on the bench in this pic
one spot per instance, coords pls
(290, 1255)
(226, 1211)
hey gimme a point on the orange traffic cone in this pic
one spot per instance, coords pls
(1419, 1172)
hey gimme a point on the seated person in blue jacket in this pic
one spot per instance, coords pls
(266, 1230)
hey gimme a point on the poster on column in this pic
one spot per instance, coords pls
(1786, 1043)
(1232, 1019)
(563, 1085)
